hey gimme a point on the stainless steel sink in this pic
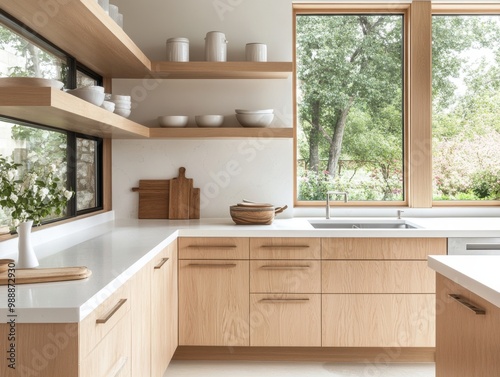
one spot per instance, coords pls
(363, 224)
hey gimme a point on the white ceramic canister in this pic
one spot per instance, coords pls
(215, 47)
(256, 52)
(178, 49)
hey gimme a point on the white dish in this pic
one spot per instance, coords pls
(30, 81)
(93, 96)
(107, 105)
(209, 120)
(265, 111)
(255, 120)
(173, 120)
(120, 97)
(95, 88)
(123, 112)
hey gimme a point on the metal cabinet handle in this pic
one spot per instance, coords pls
(162, 262)
(285, 246)
(273, 267)
(118, 367)
(112, 312)
(283, 300)
(227, 265)
(212, 246)
(467, 304)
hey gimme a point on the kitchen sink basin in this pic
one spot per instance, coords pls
(363, 224)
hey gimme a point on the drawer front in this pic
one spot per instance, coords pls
(364, 276)
(382, 320)
(289, 276)
(382, 248)
(285, 320)
(112, 356)
(213, 248)
(285, 248)
(103, 319)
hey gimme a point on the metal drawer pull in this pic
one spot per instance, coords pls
(118, 367)
(162, 262)
(482, 246)
(468, 305)
(212, 246)
(271, 267)
(212, 265)
(285, 246)
(283, 300)
(112, 312)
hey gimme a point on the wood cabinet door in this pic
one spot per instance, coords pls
(378, 320)
(214, 302)
(163, 309)
(467, 343)
(285, 320)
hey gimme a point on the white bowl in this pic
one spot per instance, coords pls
(124, 113)
(209, 120)
(93, 96)
(120, 97)
(173, 120)
(265, 111)
(119, 103)
(107, 105)
(255, 120)
(90, 87)
(30, 81)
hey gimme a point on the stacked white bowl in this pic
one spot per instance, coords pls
(255, 118)
(123, 104)
(92, 94)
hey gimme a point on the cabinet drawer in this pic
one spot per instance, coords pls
(285, 248)
(366, 276)
(382, 248)
(278, 276)
(213, 248)
(111, 357)
(103, 319)
(285, 320)
(382, 320)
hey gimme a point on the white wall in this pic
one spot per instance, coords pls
(227, 171)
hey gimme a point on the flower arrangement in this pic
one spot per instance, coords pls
(31, 195)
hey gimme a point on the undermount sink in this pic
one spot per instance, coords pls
(362, 224)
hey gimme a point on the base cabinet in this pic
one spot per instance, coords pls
(467, 341)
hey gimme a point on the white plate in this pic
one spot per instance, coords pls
(265, 111)
(30, 82)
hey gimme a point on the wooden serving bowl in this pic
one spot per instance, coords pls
(245, 215)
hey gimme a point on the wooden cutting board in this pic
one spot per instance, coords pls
(180, 196)
(153, 198)
(46, 275)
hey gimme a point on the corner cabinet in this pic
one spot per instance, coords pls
(109, 51)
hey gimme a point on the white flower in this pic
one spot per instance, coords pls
(13, 197)
(15, 222)
(11, 174)
(44, 192)
(52, 168)
(34, 189)
(68, 194)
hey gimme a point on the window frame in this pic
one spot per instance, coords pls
(353, 9)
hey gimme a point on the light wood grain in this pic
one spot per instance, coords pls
(220, 132)
(179, 196)
(285, 320)
(362, 276)
(213, 303)
(221, 70)
(141, 331)
(382, 248)
(466, 344)
(285, 248)
(298, 276)
(153, 198)
(382, 320)
(194, 203)
(213, 248)
(42, 350)
(46, 275)
(56, 108)
(164, 310)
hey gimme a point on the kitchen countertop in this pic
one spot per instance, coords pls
(477, 273)
(115, 250)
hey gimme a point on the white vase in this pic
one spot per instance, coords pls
(26, 257)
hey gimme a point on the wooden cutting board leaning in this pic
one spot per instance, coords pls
(46, 275)
(174, 199)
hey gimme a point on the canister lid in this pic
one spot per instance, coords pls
(178, 40)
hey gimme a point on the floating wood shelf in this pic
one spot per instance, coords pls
(220, 133)
(56, 108)
(221, 70)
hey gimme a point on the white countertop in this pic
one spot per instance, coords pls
(115, 250)
(477, 273)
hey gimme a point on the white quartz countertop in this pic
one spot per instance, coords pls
(477, 273)
(115, 250)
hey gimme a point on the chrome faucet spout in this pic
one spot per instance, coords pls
(346, 199)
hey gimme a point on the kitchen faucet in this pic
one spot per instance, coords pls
(328, 200)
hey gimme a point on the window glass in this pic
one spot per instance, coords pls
(466, 107)
(350, 106)
(86, 174)
(83, 79)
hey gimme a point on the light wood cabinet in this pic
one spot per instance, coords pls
(378, 292)
(467, 341)
(214, 292)
(285, 248)
(164, 313)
